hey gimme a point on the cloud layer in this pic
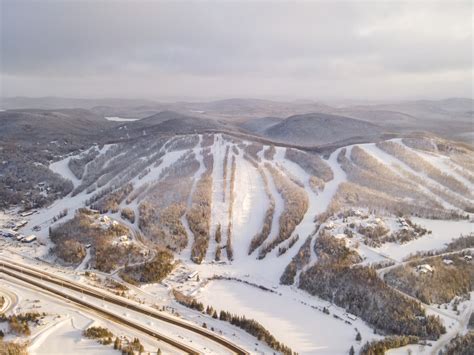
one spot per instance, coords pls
(156, 49)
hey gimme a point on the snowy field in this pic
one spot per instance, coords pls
(443, 232)
(304, 329)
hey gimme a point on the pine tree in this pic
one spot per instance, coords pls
(351, 351)
(358, 337)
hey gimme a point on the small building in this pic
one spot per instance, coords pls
(88, 245)
(424, 268)
(351, 317)
(19, 224)
(193, 275)
(27, 213)
(329, 225)
(447, 261)
(29, 239)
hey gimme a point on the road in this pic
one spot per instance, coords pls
(11, 300)
(40, 279)
(461, 321)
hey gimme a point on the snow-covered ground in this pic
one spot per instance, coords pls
(287, 313)
(61, 331)
(120, 119)
(289, 316)
(442, 233)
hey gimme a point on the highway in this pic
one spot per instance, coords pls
(10, 298)
(40, 279)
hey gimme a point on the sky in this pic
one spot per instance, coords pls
(380, 50)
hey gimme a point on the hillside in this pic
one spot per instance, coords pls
(47, 125)
(255, 218)
(317, 128)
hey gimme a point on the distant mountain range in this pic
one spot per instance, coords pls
(296, 122)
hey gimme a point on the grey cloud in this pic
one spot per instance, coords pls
(233, 49)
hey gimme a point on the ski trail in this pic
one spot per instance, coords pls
(186, 253)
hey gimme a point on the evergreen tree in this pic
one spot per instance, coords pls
(351, 351)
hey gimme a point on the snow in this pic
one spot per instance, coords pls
(250, 205)
(286, 313)
(442, 233)
(65, 322)
(304, 329)
(186, 252)
(121, 119)
(61, 167)
(279, 206)
(219, 209)
(441, 162)
(392, 161)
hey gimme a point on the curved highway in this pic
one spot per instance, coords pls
(24, 273)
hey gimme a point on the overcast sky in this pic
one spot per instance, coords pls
(171, 50)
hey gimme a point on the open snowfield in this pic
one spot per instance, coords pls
(304, 329)
(442, 233)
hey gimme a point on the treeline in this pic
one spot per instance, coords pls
(378, 347)
(248, 325)
(366, 171)
(312, 164)
(229, 249)
(150, 271)
(352, 195)
(301, 259)
(296, 205)
(253, 149)
(111, 201)
(128, 214)
(12, 348)
(418, 163)
(199, 215)
(161, 211)
(120, 163)
(78, 164)
(183, 142)
(260, 237)
(361, 292)
(22, 173)
(19, 323)
(269, 153)
(463, 242)
(71, 237)
(440, 286)
(460, 345)
(257, 330)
